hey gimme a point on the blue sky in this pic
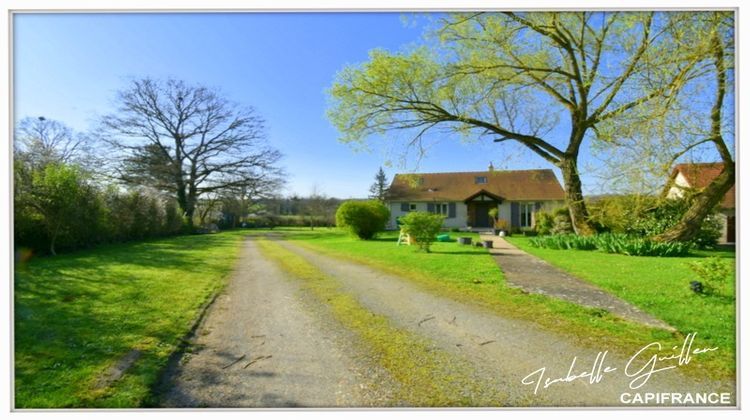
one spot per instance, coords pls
(69, 66)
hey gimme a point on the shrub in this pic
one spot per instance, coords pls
(561, 222)
(619, 213)
(714, 272)
(423, 227)
(544, 222)
(648, 216)
(614, 244)
(501, 224)
(364, 219)
(493, 212)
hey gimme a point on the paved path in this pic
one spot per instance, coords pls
(535, 275)
(263, 345)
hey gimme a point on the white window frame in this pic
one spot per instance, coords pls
(441, 208)
(526, 214)
(477, 180)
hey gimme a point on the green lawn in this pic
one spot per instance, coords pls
(470, 274)
(658, 285)
(76, 315)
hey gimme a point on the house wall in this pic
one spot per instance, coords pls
(450, 222)
(462, 212)
(677, 189)
(723, 215)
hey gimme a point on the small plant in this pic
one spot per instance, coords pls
(364, 219)
(423, 227)
(714, 272)
(493, 213)
(501, 224)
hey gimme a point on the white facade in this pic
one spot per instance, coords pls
(725, 216)
(459, 221)
(461, 218)
(677, 190)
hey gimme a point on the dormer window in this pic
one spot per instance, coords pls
(480, 180)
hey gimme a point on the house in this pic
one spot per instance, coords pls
(465, 198)
(697, 176)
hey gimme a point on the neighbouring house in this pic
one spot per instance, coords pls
(465, 198)
(697, 176)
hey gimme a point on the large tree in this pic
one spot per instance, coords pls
(695, 125)
(711, 36)
(511, 76)
(187, 140)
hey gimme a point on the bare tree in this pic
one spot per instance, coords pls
(187, 140)
(237, 201)
(316, 206)
(41, 141)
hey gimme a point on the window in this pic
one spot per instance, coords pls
(412, 207)
(480, 180)
(441, 208)
(527, 210)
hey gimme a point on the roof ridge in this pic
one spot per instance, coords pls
(478, 172)
(700, 164)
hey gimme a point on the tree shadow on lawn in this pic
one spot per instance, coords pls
(159, 253)
(74, 313)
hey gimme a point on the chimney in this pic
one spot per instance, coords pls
(491, 167)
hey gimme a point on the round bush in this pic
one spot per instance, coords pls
(364, 219)
(423, 227)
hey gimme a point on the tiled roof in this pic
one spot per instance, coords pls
(699, 175)
(534, 184)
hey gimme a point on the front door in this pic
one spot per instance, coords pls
(481, 214)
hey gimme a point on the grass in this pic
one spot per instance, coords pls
(428, 377)
(659, 286)
(76, 315)
(470, 274)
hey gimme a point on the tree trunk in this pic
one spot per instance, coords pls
(53, 239)
(579, 215)
(702, 205)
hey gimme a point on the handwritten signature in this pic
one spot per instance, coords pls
(640, 367)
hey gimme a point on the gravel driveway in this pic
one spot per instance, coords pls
(501, 349)
(266, 344)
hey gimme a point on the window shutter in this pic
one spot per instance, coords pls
(451, 210)
(431, 207)
(404, 207)
(514, 213)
